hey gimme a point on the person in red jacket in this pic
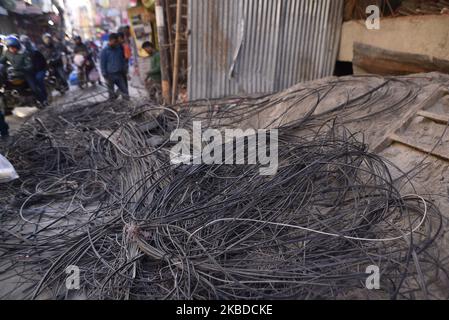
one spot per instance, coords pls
(126, 51)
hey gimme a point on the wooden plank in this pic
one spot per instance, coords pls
(438, 92)
(349, 10)
(425, 149)
(177, 54)
(387, 62)
(438, 118)
(164, 50)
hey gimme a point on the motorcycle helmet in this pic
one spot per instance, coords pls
(24, 38)
(12, 41)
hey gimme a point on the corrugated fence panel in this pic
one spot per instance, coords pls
(249, 46)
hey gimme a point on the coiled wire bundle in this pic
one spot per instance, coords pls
(98, 191)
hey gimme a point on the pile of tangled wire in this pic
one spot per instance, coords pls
(98, 191)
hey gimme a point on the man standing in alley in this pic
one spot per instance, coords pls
(155, 62)
(153, 78)
(39, 65)
(53, 53)
(113, 67)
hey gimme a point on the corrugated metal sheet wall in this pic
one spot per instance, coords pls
(248, 46)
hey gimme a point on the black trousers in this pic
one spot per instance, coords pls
(3, 125)
(119, 80)
(61, 75)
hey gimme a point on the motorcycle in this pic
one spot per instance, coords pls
(14, 91)
(53, 81)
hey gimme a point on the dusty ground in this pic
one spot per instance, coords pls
(73, 95)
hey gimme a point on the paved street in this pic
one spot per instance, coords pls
(21, 114)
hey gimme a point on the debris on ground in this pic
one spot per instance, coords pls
(99, 192)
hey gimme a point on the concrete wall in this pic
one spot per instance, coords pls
(414, 34)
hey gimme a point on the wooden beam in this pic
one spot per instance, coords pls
(170, 35)
(387, 62)
(177, 47)
(437, 93)
(424, 149)
(163, 50)
(438, 118)
(349, 9)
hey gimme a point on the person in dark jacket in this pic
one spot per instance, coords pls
(113, 67)
(83, 49)
(39, 65)
(19, 58)
(53, 54)
(80, 47)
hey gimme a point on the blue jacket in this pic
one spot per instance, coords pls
(112, 60)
